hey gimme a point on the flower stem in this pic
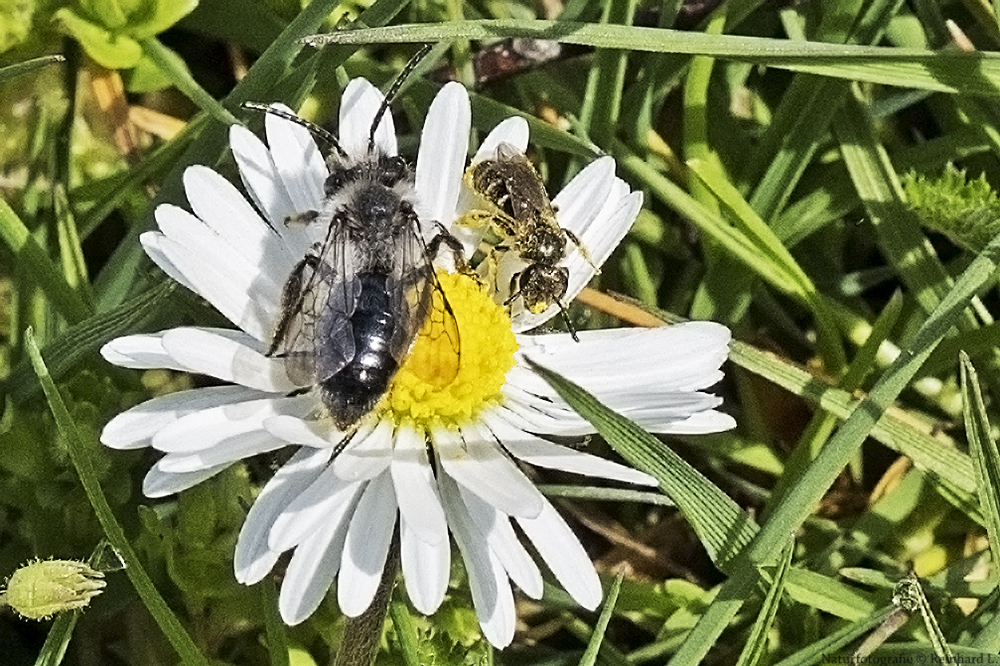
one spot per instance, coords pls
(359, 643)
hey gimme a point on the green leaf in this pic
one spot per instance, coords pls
(33, 260)
(589, 657)
(722, 526)
(108, 13)
(158, 608)
(983, 447)
(111, 50)
(80, 341)
(147, 76)
(945, 71)
(165, 14)
(10, 71)
(806, 493)
(57, 640)
(756, 645)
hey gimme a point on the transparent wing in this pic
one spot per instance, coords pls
(314, 334)
(410, 281)
(422, 306)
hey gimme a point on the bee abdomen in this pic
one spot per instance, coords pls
(357, 387)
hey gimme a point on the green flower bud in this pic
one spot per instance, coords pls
(41, 589)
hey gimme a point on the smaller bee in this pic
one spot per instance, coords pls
(519, 210)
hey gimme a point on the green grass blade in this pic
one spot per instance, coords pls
(82, 340)
(277, 635)
(57, 640)
(171, 65)
(33, 260)
(984, 452)
(722, 526)
(589, 657)
(17, 69)
(158, 608)
(803, 497)
(944, 71)
(756, 645)
(820, 651)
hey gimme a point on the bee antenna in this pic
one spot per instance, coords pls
(313, 128)
(393, 89)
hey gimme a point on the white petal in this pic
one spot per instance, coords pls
(313, 506)
(206, 428)
(444, 144)
(141, 352)
(298, 161)
(132, 429)
(682, 357)
(253, 559)
(536, 451)
(159, 483)
(314, 566)
(224, 452)
(580, 202)
(316, 433)
(260, 176)
(496, 529)
(367, 546)
(246, 262)
(358, 106)
(225, 290)
(224, 210)
(150, 242)
(227, 355)
(696, 424)
(491, 593)
(564, 555)
(480, 466)
(513, 130)
(368, 455)
(414, 481)
(426, 567)
(530, 413)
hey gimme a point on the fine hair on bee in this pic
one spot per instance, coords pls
(518, 208)
(352, 308)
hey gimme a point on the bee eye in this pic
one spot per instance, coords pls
(393, 170)
(336, 181)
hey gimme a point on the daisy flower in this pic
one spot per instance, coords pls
(440, 457)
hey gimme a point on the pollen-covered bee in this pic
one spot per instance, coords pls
(352, 308)
(518, 208)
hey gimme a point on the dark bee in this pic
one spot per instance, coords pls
(352, 308)
(520, 211)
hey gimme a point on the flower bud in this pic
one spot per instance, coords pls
(41, 589)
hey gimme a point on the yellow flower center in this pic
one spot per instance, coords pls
(460, 359)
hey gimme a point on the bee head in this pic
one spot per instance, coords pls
(540, 286)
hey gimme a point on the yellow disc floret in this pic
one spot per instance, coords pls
(460, 359)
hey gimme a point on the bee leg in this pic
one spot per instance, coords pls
(569, 322)
(291, 301)
(562, 308)
(452, 243)
(301, 219)
(586, 255)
